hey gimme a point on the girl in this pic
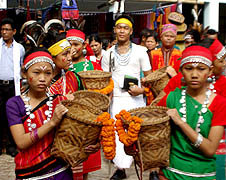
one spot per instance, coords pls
(96, 45)
(32, 118)
(198, 116)
(62, 83)
(80, 62)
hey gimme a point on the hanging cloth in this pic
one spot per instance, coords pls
(28, 12)
(69, 10)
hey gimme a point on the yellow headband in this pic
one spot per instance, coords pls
(124, 21)
(59, 47)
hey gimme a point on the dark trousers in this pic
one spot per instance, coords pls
(6, 91)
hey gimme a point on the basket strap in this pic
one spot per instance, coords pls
(140, 158)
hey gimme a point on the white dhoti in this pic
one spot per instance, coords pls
(122, 160)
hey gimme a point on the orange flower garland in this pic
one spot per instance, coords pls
(107, 135)
(107, 89)
(149, 95)
(134, 127)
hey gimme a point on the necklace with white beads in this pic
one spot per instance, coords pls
(211, 86)
(31, 125)
(183, 109)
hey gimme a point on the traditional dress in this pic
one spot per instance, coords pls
(36, 161)
(136, 62)
(186, 161)
(160, 58)
(219, 86)
(64, 84)
(83, 66)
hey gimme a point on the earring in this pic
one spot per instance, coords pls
(84, 51)
(24, 82)
(209, 80)
(182, 80)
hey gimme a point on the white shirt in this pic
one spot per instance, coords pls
(138, 61)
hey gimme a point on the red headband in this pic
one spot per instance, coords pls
(74, 34)
(36, 57)
(196, 54)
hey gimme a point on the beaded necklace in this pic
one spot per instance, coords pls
(123, 59)
(31, 125)
(183, 109)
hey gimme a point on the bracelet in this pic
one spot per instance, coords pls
(34, 136)
(198, 141)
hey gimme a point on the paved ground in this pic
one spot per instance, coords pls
(7, 167)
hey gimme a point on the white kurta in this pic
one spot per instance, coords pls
(138, 61)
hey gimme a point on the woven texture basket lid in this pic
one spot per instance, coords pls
(150, 115)
(95, 79)
(176, 17)
(93, 99)
(94, 74)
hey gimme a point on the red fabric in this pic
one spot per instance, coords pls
(157, 60)
(71, 84)
(96, 66)
(89, 51)
(36, 54)
(197, 51)
(39, 151)
(173, 83)
(162, 102)
(216, 48)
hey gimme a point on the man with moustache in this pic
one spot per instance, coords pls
(11, 58)
(125, 60)
(167, 55)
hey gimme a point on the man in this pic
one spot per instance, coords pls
(125, 60)
(11, 58)
(167, 55)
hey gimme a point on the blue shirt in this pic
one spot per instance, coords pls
(6, 61)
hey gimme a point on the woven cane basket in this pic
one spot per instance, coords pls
(153, 143)
(93, 99)
(157, 80)
(95, 79)
(76, 131)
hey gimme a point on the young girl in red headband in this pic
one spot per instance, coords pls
(198, 116)
(32, 118)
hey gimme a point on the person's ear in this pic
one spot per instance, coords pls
(23, 73)
(211, 70)
(14, 31)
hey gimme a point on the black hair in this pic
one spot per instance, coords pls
(206, 42)
(145, 32)
(105, 43)
(195, 35)
(126, 17)
(153, 34)
(8, 21)
(52, 37)
(95, 37)
(36, 49)
(211, 32)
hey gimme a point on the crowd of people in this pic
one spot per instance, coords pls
(34, 79)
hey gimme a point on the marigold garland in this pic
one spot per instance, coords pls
(149, 95)
(107, 135)
(134, 127)
(106, 90)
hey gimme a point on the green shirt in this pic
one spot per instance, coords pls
(184, 157)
